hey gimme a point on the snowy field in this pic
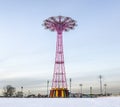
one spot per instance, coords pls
(59, 102)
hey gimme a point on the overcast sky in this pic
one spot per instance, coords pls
(27, 50)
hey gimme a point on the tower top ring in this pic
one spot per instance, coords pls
(59, 23)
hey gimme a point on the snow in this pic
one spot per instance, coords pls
(60, 102)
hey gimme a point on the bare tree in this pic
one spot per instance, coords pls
(8, 91)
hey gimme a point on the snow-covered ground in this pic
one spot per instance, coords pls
(59, 102)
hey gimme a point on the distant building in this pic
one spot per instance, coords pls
(19, 94)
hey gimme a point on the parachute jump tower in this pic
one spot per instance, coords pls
(59, 83)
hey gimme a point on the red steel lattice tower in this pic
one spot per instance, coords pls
(59, 83)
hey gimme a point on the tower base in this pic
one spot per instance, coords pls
(59, 93)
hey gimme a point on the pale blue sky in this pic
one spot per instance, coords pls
(27, 50)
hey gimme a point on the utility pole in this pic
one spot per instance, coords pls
(22, 91)
(70, 86)
(90, 91)
(47, 88)
(105, 85)
(100, 77)
(80, 89)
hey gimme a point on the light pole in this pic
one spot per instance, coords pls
(80, 90)
(105, 85)
(90, 91)
(22, 91)
(100, 77)
(47, 88)
(70, 86)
